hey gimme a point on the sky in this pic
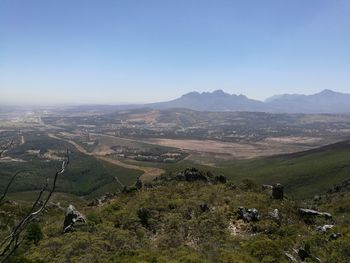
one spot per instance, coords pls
(136, 51)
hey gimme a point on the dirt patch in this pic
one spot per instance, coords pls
(228, 150)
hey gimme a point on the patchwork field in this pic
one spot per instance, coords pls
(111, 150)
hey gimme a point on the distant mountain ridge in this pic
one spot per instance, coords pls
(326, 101)
(212, 101)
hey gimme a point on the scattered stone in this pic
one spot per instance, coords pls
(277, 191)
(324, 228)
(303, 212)
(72, 216)
(248, 215)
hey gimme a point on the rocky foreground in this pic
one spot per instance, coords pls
(195, 216)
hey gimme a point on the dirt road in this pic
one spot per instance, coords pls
(149, 173)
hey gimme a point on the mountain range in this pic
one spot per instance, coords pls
(326, 101)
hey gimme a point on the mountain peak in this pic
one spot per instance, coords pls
(219, 92)
(326, 101)
(328, 92)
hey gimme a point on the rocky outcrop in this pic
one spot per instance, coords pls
(72, 217)
(192, 174)
(248, 215)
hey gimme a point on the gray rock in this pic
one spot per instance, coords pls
(275, 214)
(72, 216)
(304, 213)
(248, 215)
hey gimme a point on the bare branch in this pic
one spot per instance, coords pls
(11, 243)
(8, 185)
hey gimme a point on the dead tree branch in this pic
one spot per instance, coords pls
(8, 186)
(12, 241)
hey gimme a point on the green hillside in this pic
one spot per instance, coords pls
(304, 174)
(86, 175)
(179, 221)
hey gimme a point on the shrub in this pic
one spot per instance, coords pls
(34, 233)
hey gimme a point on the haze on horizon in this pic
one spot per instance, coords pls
(147, 51)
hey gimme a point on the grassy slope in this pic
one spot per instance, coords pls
(303, 174)
(85, 174)
(178, 231)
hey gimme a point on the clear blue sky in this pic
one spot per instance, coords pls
(112, 51)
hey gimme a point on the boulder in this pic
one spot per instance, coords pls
(307, 213)
(72, 216)
(248, 215)
(277, 191)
